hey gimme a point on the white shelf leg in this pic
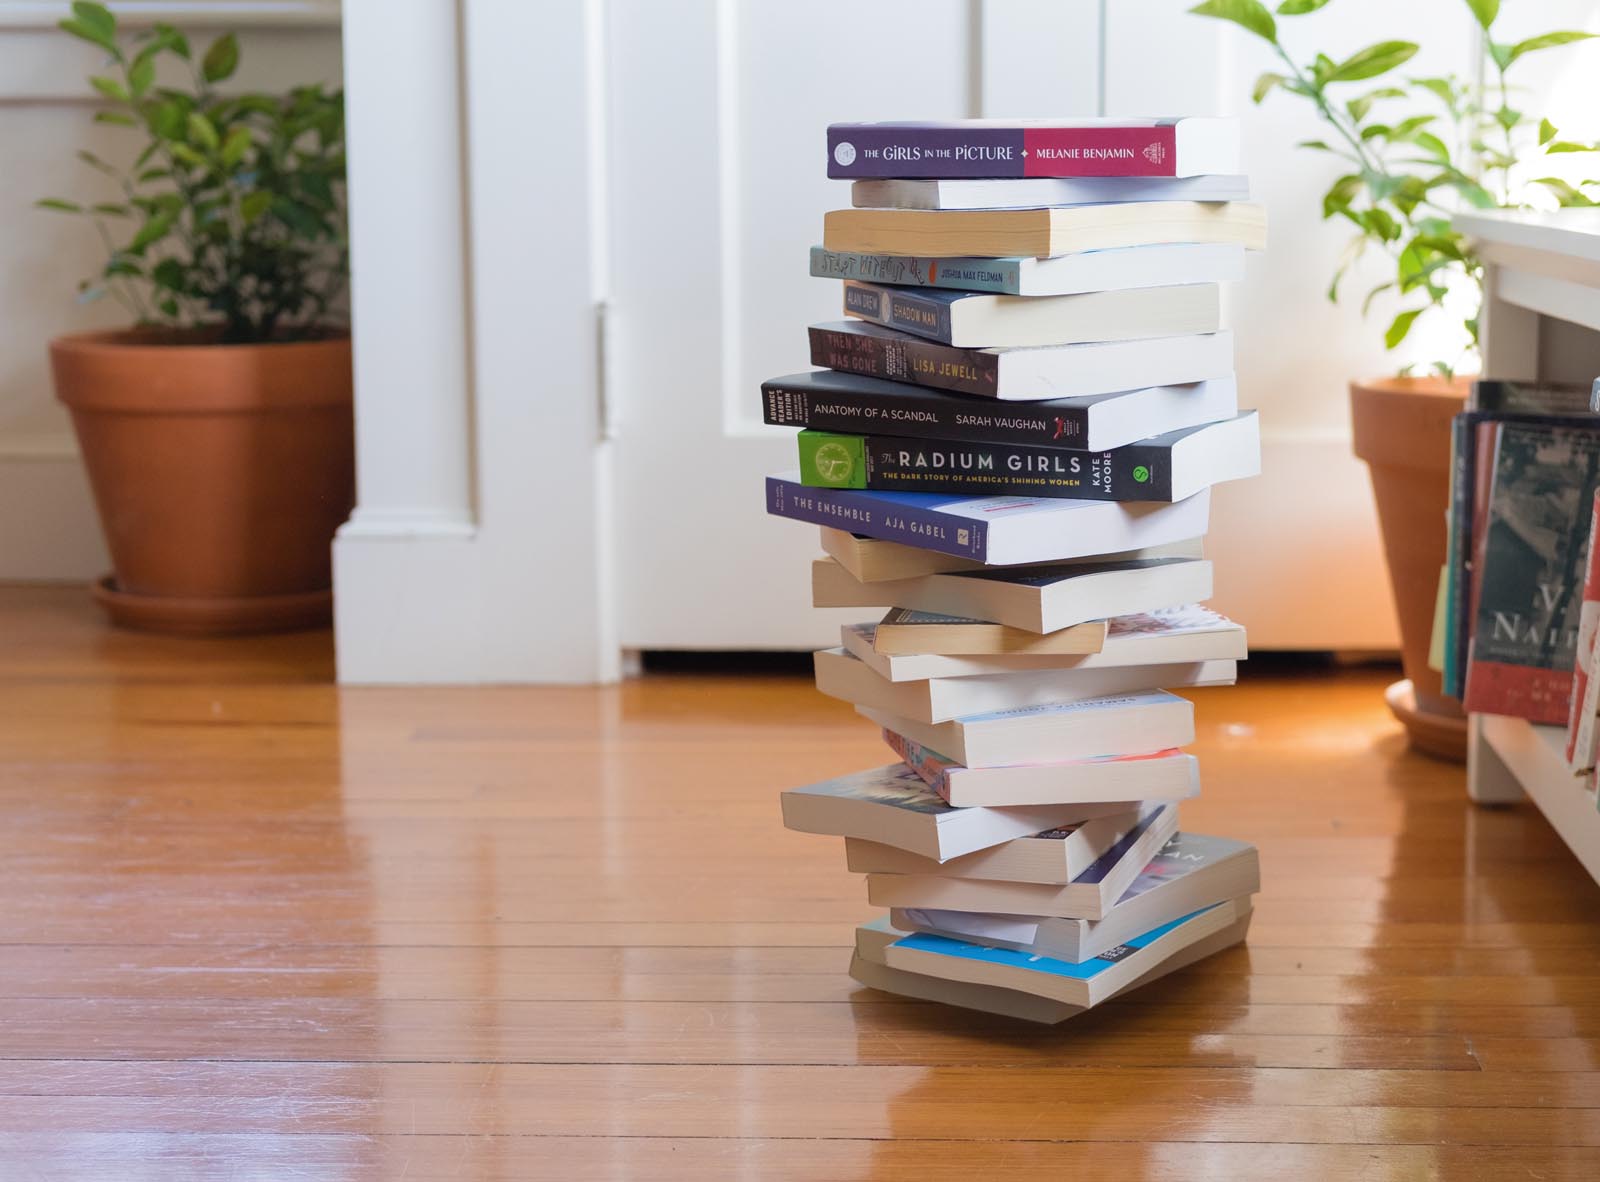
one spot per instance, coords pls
(1489, 780)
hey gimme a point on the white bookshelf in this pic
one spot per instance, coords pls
(1541, 320)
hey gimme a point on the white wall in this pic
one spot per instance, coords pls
(48, 529)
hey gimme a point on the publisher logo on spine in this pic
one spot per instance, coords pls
(844, 153)
(1156, 152)
(833, 463)
(1141, 475)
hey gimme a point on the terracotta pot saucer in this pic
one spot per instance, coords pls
(200, 616)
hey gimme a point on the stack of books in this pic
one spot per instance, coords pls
(1011, 449)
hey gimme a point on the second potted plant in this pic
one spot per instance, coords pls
(1411, 151)
(217, 430)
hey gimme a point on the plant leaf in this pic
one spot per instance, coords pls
(1264, 85)
(1547, 131)
(1499, 54)
(1373, 60)
(111, 88)
(93, 23)
(221, 59)
(1299, 7)
(253, 205)
(201, 132)
(1545, 41)
(118, 117)
(1247, 14)
(140, 75)
(58, 204)
(1400, 327)
(1485, 11)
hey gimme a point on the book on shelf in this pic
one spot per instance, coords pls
(1529, 577)
(999, 531)
(1056, 230)
(892, 806)
(1192, 871)
(1120, 725)
(1162, 264)
(974, 319)
(1168, 467)
(1038, 600)
(1085, 983)
(831, 400)
(1131, 369)
(867, 966)
(842, 675)
(1090, 895)
(1033, 192)
(1155, 775)
(1050, 860)
(924, 644)
(1104, 147)
(871, 560)
(1581, 728)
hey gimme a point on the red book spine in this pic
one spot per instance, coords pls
(1100, 151)
(1580, 722)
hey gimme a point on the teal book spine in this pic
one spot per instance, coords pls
(1001, 276)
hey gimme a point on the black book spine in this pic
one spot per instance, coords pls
(1139, 472)
(921, 414)
(898, 359)
(893, 307)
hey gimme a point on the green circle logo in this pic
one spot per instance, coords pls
(1141, 474)
(833, 463)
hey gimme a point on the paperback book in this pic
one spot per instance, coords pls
(996, 530)
(871, 560)
(1161, 265)
(892, 806)
(1032, 192)
(1191, 871)
(1056, 230)
(1168, 147)
(841, 675)
(828, 400)
(1167, 467)
(1121, 725)
(1038, 600)
(1156, 775)
(971, 319)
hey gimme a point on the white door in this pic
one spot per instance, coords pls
(717, 190)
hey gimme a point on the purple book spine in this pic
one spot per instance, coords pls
(889, 517)
(861, 151)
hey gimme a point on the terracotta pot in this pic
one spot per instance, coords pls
(1402, 432)
(220, 473)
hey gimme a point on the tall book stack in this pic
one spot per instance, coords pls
(1011, 449)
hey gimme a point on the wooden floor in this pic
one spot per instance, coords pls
(255, 927)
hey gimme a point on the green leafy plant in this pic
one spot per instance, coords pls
(231, 218)
(1416, 150)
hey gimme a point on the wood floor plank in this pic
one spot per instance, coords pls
(252, 925)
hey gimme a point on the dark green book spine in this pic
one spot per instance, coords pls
(1138, 472)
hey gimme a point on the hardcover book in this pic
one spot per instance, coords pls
(829, 401)
(1535, 547)
(1581, 729)
(1169, 147)
(1167, 467)
(1190, 872)
(1057, 230)
(892, 806)
(1122, 725)
(1158, 775)
(1032, 192)
(972, 319)
(1040, 600)
(841, 675)
(1000, 531)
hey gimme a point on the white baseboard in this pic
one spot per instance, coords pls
(49, 530)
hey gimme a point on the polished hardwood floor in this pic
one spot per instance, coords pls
(256, 927)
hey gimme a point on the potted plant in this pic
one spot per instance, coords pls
(217, 430)
(1410, 151)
